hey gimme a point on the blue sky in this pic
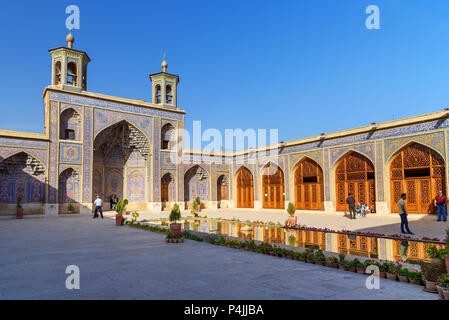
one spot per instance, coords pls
(304, 67)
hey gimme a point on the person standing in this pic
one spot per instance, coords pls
(111, 201)
(351, 206)
(440, 202)
(98, 207)
(403, 214)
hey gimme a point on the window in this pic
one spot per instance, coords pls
(169, 94)
(69, 134)
(165, 144)
(71, 74)
(158, 94)
(58, 72)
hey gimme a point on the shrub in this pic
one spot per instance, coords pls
(175, 213)
(333, 259)
(355, 263)
(341, 256)
(414, 275)
(431, 272)
(291, 209)
(120, 206)
(196, 204)
(370, 262)
(392, 267)
(319, 256)
(444, 280)
(135, 214)
(403, 272)
(433, 251)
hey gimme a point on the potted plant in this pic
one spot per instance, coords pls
(196, 206)
(415, 277)
(383, 268)
(319, 258)
(309, 255)
(70, 206)
(430, 275)
(292, 219)
(19, 209)
(370, 262)
(175, 215)
(332, 262)
(392, 271)
(356, 266)
(434, 254)
(342, 265)
(403, 274)
(125, 206)
(135, 215)
(443, 282)
(119, 208)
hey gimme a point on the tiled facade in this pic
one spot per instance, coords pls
(72, 176)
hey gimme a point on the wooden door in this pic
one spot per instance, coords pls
(419, 172)
(309, 189)
(355, 175)
(273, 187)
(245, 189)
(164, 192)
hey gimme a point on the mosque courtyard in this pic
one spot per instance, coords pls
(128, 263)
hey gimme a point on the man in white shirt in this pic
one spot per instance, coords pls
(98, 204)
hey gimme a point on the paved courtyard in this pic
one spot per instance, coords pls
(127, 263)
(421, 225)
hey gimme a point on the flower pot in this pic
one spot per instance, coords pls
(392, 276)
(175, 229)
(292, 221)
(431, 286)
(19, 213)
(119, 220)
(382, 274)
(446, 294)
(440, 291)
(417, 282)
(320, 263)
(360, 270)
(352, 269)
(309, 261)
(403, 278)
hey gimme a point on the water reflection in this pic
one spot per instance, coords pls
(364, 246)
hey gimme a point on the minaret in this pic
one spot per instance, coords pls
(69, 67)
(164, 87)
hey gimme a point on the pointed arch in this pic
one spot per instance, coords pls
(105, 125)
(22, 176)
(420, 172)
(308, 184)
(196, 183)
(167, 189)
(355, 174)
(70, 125)
(273, 196)
(408, 143)
(244, 182)
(222, 189)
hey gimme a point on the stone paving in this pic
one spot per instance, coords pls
(421, 225)
(128, 263)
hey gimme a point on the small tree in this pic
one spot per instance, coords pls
(135, 215)
(291, 209)
(175, 213)
(197, 204)
(120, 206)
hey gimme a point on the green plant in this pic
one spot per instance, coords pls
(414, 275)
(175, 213)
(433, 251)
(333, 259)
(291, 209)
(355, 263)
(196, 204)
(383, 267)
(392, 268)
(341, 257)
(443, 252)
(447, 237)
(70, 206)
(120, 206)
(135, 215)
(444, 280)
(19, 202)
(403, 272)
(431, 272)
(370, 262)
(319, 256)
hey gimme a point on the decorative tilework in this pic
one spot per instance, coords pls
(168, 160)
(326, 174)
(113, 105)
(17, 142)
(87, 197)
(65, 106)
(379, 173)
(136, 186)
(156, 180)
(314, 155)
(104, 119)
(42, 155)
(70, 153)
(367, 149)
(52, 184)
(434, 141)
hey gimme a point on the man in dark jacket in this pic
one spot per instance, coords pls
(351, 205)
